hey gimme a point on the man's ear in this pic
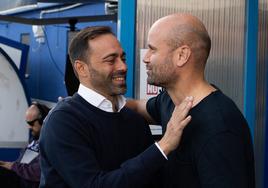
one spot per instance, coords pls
(80, 68)
(182, 55)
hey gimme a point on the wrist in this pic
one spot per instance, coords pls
(164, 147)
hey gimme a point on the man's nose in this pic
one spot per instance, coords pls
(146, 58)
(121, 65)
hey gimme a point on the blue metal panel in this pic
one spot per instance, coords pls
(251, 59)
(126, 34)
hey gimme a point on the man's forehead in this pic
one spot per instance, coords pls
(106, 46)
(157, 35)
(104, 42)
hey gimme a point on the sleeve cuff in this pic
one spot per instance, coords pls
(157, 145)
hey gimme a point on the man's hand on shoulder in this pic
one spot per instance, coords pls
(175, 126)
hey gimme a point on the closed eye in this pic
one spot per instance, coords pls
(152, 48)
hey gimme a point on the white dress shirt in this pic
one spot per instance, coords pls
(104, 104)
(100, 101)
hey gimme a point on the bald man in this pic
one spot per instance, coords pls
(216, 149)
(25, 171)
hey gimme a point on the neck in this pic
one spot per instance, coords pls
(111, 98)
(114, 102)
(197, 88)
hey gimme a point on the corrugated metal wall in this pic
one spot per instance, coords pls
(262, 71)
(225, 21)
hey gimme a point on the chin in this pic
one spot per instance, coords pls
(122, 92)
(151, 82)
(156, 84)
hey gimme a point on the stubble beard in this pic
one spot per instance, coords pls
(105, 85)
(162, 75)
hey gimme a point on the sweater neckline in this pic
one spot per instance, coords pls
(76, 96)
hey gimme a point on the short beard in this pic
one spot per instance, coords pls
(164, 74)
(105, 85)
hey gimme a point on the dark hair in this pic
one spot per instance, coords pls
(43, 111)
(79, 48)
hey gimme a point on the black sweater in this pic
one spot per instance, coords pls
(215, 150)
(83, 146)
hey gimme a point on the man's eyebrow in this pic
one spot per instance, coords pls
(151, 47)
(110, 55)
(113, 55)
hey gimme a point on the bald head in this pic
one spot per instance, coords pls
(32, 112)
(175, 20)
(184, 29)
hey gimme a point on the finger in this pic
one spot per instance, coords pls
(184, 103)
(185, 122)
(186, 110)
(180, 113)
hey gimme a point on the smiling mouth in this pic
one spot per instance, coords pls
(119, 79)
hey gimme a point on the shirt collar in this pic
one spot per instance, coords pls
(99, 100)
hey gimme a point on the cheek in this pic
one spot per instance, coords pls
(153, 63)
(158, 58)
(157, 62)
